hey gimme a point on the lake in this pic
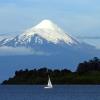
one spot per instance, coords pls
(59, 92)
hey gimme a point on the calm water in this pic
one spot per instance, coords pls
(70, 92)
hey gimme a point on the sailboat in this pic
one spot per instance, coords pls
(49, 85)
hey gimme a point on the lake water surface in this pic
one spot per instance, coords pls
(59, 92)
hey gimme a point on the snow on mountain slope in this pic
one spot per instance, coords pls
(46, 30)
(5, 36)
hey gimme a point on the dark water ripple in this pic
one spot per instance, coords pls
(65, 92)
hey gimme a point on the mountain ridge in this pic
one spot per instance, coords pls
(46, 30)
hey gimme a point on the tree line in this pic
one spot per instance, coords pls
(87, 72)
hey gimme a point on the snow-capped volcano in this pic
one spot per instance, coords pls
(48, 31)
(45, 31)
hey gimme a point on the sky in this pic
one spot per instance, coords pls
(79, 18)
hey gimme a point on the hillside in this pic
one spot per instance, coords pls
(86, 73)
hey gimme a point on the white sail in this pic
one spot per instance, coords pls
(49, 84)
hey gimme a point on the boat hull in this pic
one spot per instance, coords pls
(48, 87)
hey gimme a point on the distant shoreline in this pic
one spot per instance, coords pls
(87, 73)
(46, 84)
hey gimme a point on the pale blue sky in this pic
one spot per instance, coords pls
(77, 17)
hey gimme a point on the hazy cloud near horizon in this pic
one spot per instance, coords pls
(10, 51)
(14, 51)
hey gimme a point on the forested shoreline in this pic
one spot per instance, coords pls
(87, 72)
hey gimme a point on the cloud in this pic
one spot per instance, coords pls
(89, 37)
(14, 51)
(10, 51)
